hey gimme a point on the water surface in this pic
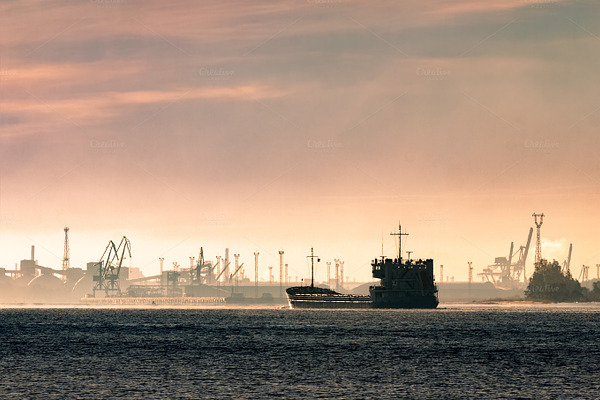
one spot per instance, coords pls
(457, 351)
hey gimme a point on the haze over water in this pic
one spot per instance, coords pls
(461, 351)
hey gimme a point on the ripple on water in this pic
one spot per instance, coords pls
(469, 351)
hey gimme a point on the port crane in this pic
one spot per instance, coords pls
(566, 267)
(235, 272)
(109, 268)
(203, 271)
(584, 274)
(506, 273)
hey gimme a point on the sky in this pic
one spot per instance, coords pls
(284, 125)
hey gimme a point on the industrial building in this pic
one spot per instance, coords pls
(107, 278)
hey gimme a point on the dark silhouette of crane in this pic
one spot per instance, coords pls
(538, 243)
(109, 268)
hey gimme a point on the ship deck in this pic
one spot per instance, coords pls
(330, 301)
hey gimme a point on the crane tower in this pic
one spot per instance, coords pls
(66, 264)
(538, 244)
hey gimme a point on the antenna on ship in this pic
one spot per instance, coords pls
(399, 234)
(312, 266)
(382, 256)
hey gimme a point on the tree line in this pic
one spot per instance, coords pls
(549, 283)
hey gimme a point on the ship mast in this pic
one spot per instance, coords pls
(382, 256)
(399, 234)
(312, 266)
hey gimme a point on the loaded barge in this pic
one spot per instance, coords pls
(403, 284)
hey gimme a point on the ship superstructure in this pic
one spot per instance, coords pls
(404, 284)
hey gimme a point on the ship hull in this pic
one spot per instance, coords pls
(424, 302)
(341, 301)
(331, 302)
(328, 304)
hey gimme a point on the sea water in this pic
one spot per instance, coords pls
(456, 351)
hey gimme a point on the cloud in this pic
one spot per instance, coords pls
(556, 249)
(247, 92)
(91, 109)
(474, 6)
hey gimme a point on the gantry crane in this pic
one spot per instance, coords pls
(504, 272)
(583, 275)
(109, 268)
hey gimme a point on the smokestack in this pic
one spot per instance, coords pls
(441, 273)
(471, 272)
(280, 274)
(287, 277)
(342, 274)
(237, 265)
(225, 266)
(329, 274)
(161, 259)
(337, 273)
(256, 274)
(32, 253)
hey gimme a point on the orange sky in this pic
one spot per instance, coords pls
(267, 126)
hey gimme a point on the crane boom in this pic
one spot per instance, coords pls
(236, 271)
(109, 267)
(224, 269)
(526, 252)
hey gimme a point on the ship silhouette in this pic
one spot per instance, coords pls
(403, 284)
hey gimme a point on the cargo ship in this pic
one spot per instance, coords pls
(403, 284)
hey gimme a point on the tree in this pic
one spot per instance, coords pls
(549, 283)
(594, 294)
